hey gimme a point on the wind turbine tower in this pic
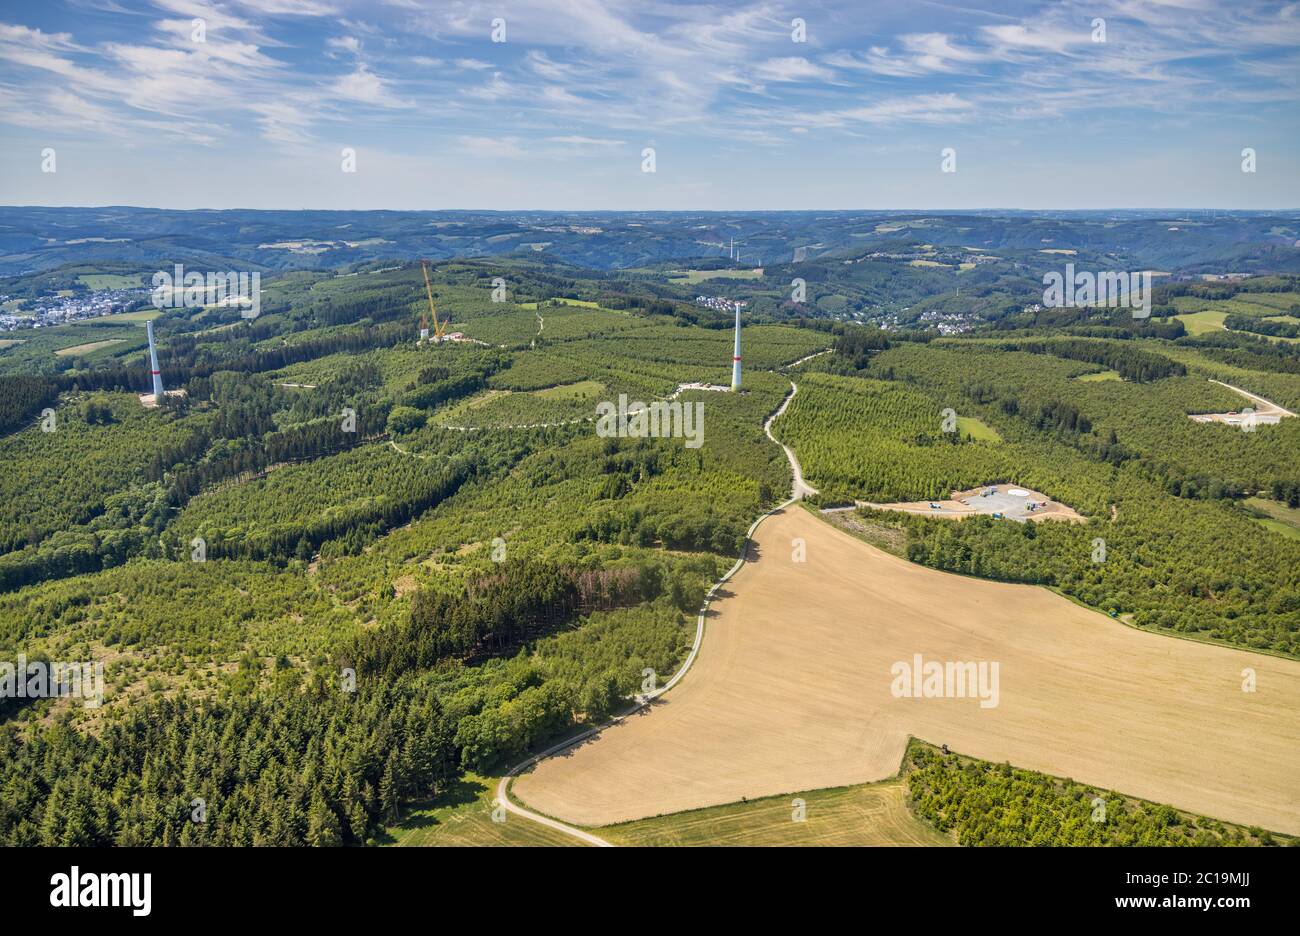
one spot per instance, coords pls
(735, 357)
(153, 366)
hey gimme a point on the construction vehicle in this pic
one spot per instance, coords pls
(439, 327)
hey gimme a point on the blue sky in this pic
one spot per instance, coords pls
(739, 114)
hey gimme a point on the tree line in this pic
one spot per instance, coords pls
(1132, 363)
(1261, 326)
(494, 614)
(989, 805)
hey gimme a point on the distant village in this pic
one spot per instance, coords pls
(45, 311)
(948, 323)
(720, 303)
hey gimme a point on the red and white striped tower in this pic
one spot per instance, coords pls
(153, 366)
(735, 357)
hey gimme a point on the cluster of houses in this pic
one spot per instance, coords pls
(60, 310)
(947, 323)
(721, 304)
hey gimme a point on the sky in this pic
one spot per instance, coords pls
(554, 104)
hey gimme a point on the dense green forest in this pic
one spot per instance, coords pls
(1160, 489)
(1000, 805)
(330, 498)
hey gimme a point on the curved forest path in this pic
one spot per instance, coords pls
(800, 489)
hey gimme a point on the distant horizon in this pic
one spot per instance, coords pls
(720, 211)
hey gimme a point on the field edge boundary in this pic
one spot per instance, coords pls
(641, 702)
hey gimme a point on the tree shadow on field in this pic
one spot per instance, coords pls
(625, 715)
(462, 791)
(720, 595)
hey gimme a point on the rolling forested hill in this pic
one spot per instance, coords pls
(35, 239)
(346, 567)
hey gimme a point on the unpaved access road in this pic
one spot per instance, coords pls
(801, 488)
(1263, 407)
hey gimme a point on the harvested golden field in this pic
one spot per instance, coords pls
(792, 691)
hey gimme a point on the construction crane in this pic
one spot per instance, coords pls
(439, 328)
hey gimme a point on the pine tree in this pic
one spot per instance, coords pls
(322, 825)
(358, 823)
(388, 789)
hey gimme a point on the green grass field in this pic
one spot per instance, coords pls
(1278, 516)
(1204, 316)
(583, 303)
(1203, 322)
(975, 429)
(1100, 375)
(97, 281)
(1245, 304)
(1278, 526)
(870, 814)
(139, 315)
(463, 816)
(978, 800)
(1272, 300)
(1200, 323)
(88, 346)
(582, 390)
(699, 276)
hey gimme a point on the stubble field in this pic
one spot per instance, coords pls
(792, 691)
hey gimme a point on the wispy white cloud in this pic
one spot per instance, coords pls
(364, 87)
(495, 89)
(1038, 37)
(585, 141)
(923, 108)
(792, 68)
(506, 147)
(588, 78)
(348, 44)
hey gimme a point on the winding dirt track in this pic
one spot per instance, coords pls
(791, 691)
(503, 786)
(801, 488)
